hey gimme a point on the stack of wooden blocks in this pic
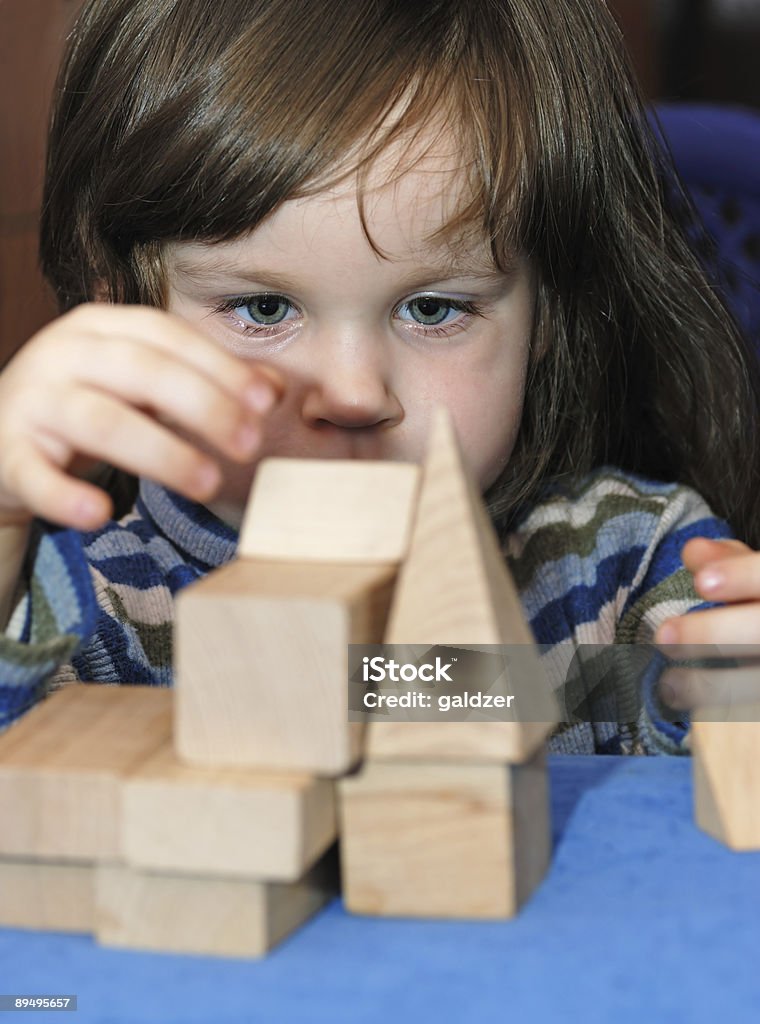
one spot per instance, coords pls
(205, 819)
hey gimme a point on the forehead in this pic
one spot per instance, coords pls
(403, 205)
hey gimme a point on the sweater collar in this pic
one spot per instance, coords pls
(190, 527)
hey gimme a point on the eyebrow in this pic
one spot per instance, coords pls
(474, 269)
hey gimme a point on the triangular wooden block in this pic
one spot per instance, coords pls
(455, 589)
(329, 510)
(727, 774)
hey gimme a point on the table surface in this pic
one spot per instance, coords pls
(641, 918)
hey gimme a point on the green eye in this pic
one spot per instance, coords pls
(267, 309)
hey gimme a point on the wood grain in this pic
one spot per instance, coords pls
(454, 588)
(46, 895)
(443, 840)
(205, 915)
(329, 510)
(225, 821)
(62, 764)
(262, 663)
(726, 769)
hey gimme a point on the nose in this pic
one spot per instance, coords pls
(350, 386)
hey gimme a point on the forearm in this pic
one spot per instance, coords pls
(13, 544)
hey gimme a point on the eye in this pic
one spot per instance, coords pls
(264, 309)
(429, 310)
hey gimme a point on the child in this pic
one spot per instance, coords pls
(344, 216)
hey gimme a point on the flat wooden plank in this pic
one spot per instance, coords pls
(262, 663)
(255, 824)
(43, 895)
(205, 915)
(442, 839)
(329, 510)
(62, 764)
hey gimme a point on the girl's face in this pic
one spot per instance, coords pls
(368, 344)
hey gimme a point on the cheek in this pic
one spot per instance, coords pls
(491, 420)
(497, 447)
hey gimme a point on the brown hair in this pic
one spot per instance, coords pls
(194, 119)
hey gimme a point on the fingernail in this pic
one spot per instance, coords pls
(710, 580)
(260, 397)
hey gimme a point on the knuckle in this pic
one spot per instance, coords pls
(190, 468)
(205, 406)
(694, 628)
(81, 319)
(87, 416)
(151, 318)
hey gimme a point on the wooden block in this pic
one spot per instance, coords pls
(225, 821)
(726, 769)
(454, 588)
(262, 663)
(329, 510)
(476, 741)
(62, 764)
(45, 895)
(211, 916)
(443, 840)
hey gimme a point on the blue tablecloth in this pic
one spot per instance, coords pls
(642, 918)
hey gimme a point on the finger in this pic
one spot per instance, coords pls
(258, 386)
(730, 579)
(177, 392)
(699, 551)
(731, 632)
(46, 491)
(688, 689)
(101, 426)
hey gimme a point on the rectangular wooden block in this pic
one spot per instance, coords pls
(725, 745)
(62, 764)
(262, 663)
(206, 915)
(329, 510)
(225, 821)
(443, 840)
(43, 895)
(501, 742)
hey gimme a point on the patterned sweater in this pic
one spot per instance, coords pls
(596, 564)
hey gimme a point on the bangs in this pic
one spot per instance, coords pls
(213, 114)
(196, 119)
(439, 124)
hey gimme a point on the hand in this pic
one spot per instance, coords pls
(122, 384)
(724, 571)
